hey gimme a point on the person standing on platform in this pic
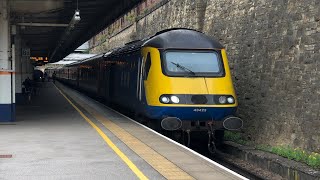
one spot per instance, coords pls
(45, 76)
(54, 77)
(27, 84)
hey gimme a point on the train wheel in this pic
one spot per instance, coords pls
(211, 143)
(219, 138)
(186, 138)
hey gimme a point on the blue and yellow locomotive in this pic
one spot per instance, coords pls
(178, 79)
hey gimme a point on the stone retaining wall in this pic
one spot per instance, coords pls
(274, 53)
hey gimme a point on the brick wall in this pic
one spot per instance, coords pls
(274, 53)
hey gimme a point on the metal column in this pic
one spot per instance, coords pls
(7, 98)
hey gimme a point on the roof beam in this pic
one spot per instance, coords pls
(43, 24)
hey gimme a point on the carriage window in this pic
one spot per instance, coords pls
(147, 67)
(186, 63)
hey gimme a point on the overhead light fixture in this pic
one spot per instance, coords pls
(75, 19)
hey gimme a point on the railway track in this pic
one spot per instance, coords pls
(241, 167)
(246, 169)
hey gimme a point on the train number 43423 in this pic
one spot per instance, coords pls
(199, 110)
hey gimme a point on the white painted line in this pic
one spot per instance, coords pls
(178, 144)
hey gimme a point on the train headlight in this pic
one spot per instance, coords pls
(175, 99)
(230, 100)
(222, 99)
(164, 99)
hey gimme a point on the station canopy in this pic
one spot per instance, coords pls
(54, 28)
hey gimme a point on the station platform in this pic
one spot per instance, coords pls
(63, 134)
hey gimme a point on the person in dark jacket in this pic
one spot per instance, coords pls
(54, 75)
(27, 84)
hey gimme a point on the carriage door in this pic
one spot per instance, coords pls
(144, 71)
(139, 78)
(111, 81)
(100, 79)
(106, 81)
(78, 75)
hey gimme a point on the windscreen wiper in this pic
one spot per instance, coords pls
(184, 68)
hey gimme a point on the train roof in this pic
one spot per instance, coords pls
(85, 60)
(182, 38)
(128, 48)
(92, 58)
(176, 38)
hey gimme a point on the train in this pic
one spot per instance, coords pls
(49, 72)
(177, 80)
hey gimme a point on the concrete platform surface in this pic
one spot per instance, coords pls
(50, 140)
(57, 139)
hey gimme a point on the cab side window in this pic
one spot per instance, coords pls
(147, 67)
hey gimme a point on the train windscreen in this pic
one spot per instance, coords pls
(185, 63)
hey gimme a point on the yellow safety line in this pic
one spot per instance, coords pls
(165, 167)
(107, 140)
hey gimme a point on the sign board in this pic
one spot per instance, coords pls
(25, 51)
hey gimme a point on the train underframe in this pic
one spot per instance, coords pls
(182, 130)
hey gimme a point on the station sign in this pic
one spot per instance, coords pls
(39, 61)
(44, 59)
(25, 52)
